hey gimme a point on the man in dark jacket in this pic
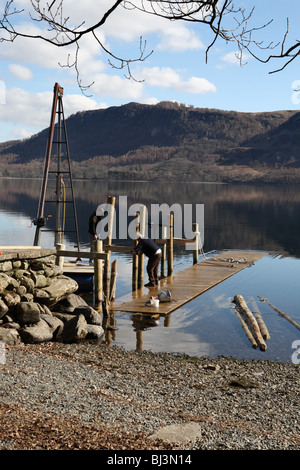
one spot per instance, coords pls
(93, 221)
(153, 252)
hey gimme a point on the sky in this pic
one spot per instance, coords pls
(176, 70)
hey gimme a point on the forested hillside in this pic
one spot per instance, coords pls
(172, 141)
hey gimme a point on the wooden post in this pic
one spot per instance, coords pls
(60, 259)
(142, 219)
(98, 276)
(170, 247)
(196, 249)
(135, 259)
(113, 275)
(163, 252)
(110, 200)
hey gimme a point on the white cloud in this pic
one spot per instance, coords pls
(178, 38)
(234, 58)
(21, 133)
(20, 72)
(166, 77)
(34, 109)
(116, 86)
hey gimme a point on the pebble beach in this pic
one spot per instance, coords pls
(88, 396)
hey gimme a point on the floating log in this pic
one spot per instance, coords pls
(282, 314)
(262, 326)
(248, 333)
(240, 302)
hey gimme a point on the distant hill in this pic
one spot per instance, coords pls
(172, 141)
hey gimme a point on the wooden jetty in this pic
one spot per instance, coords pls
(188, 283)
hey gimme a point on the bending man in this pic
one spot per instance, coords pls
(153, 252)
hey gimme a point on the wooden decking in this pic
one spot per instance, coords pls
(188, 284)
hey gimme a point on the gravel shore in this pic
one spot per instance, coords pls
(86, 396)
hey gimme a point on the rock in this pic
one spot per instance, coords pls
(69, 303)
(243, 382)
(27, 313)
(9, 336)
(3, 308)
(6, 266)
(27, 297)
(213, 367)
(28, 283)
(19, 273)
(40, 295)
(12, 283)
(21, 290)
(181, 433)
(56, 325)
(16, 264)
(49, 272)
(10, 298)
(11, 324)
(38, 333)
(57, 270)
(75, 329)
(92, 316)
(4, 281)
(94, 332)
(59, 289)
(64, 317)
(37, 265)
(40, 280)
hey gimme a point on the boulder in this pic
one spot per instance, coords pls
(27, 313)
(69, 303)
(94, 332)
(6, 266)
(75, 329)
(56, 325)
(40, 280)
(28, 283)
(92, 316)
(3, 308)
(38, 333)
(63, 316)
(9, 336)
(4, 281)
(21, 290)
(10, 298)
(59, 288)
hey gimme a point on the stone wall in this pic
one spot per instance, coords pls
(39, 303)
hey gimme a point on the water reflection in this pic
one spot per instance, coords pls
(238, 217)
(246, 216)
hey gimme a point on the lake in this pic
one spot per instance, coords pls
(262, 217)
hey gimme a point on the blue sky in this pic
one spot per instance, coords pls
(176, 70)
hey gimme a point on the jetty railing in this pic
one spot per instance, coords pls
(104, 275)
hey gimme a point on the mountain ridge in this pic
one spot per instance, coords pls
(144, 141)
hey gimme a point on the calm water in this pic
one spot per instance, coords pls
(236, 217)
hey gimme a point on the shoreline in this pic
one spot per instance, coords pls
(86, 396)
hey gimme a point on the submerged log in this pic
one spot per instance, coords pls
(262, 326)
(247, 332)
(247, 314)
(282, 314)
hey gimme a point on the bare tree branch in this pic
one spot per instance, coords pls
(226, 21)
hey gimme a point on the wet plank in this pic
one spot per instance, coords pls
(188, 283)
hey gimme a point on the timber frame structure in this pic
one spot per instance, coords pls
(64, 193)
